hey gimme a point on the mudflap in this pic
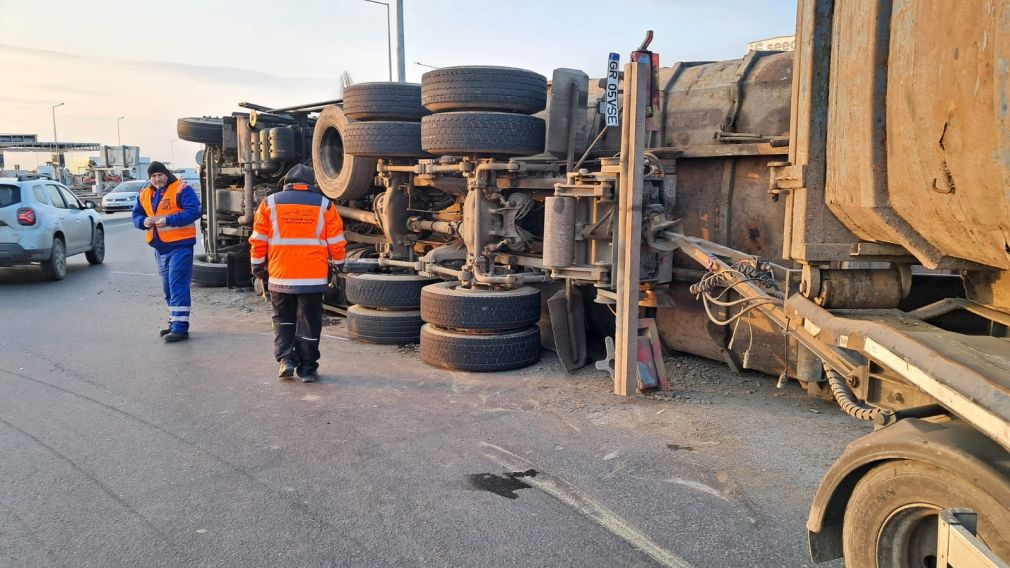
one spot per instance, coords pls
(568, 326)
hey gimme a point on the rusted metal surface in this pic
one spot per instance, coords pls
(686, 328)
(914, 136)
(726, 200)
(742, 101)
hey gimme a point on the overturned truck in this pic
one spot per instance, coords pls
(837, 216)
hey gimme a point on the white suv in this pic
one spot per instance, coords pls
(41, 221)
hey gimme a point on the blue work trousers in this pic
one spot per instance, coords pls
(176, 270)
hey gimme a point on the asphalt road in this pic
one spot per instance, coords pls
(117, 449)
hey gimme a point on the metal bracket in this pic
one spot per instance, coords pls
(958, 547)
(785, 177)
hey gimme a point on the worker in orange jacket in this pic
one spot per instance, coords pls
(297, 242)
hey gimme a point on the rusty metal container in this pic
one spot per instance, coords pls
(909, 103)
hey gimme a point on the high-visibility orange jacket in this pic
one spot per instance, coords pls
(297, 233)
(169, 205)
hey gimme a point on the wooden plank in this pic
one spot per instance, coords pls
(633, 135)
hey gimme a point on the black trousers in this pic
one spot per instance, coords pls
(298, 321)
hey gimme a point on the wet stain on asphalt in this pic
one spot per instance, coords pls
(503, 485)
(676, 447)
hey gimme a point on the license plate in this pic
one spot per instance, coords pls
(610, 106)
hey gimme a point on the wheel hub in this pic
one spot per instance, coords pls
(908, 538)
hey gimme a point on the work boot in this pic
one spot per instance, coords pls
(173, 336)
(308, 375)
(166, 331)
(287, 370)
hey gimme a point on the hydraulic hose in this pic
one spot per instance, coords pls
(852, 406)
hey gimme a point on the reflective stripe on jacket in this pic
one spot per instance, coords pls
(169, 205)
(297, 232)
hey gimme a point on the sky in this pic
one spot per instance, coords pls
(155, 61)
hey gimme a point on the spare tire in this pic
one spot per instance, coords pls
(385, 327)
(401, 291)
(341, 176)
(210, 274)
(484, 88)
(205, 130)
(384, 101)
(483, 353)
(482, 134)
(446, 304)
(384, 140)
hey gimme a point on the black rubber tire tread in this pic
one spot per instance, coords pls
(384, 327)
(481, 353)
(401, 291)
(384, 101)
(55, 267)
(447, 305)
(97, 253)
(340, 175)
(202, 130)
(482, 134)
(386, 139)
(209, 274)
(891, 486)
(484, 88)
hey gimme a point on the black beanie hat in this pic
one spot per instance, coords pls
(158, 168)
(300, 174)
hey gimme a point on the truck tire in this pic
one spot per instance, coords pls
(340, 175)
(891, 518)
(384, 101)
(447, 305)
(402, 291)
(482, 133)
(209, 274)
(385, 139)
(205, 130)
(484, 88)
(384, 327)
(479, 352)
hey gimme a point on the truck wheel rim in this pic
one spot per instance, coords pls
(332, 153)
(908, 537)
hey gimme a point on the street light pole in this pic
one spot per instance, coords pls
(171, 145)
(122, 150)
(56, 140)
(389, 38)
(401, 67)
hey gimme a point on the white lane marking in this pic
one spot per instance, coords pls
(583, 503)
(698, 486)
(135, 273)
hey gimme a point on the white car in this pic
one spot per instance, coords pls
(123, 197)
(43, 222)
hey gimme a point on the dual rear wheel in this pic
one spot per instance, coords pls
(458, 328)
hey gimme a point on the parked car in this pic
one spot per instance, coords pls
(41, 221)
(123, 197)
(192, 181)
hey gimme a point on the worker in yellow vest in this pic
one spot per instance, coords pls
(168, 210)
